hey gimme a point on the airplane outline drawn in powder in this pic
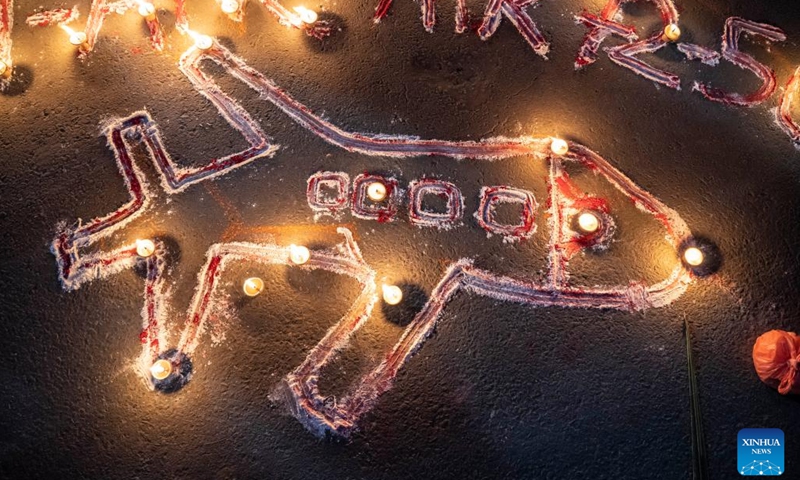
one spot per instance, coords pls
(76, 266)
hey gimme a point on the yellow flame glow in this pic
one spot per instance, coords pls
(305, 15)
(75, 38)
(392, 294)
(201, 41)
(161, 369)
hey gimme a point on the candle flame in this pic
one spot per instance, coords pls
(253, 286)
(392, 294)
(588, 222)
(304, 15)
(559, 146)
(672, 33)
(201, 41)
(75, 38)
(299, 254)
(146, 9)
(693, 256)
(145, 247)
(376, 191)
(229, 6)
(161, 369)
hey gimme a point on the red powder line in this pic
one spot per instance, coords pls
(734, 27)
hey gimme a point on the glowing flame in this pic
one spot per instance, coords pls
(693, 256)
(202, 42)
(229, 6)
(392, 294)
(376, 191)
(559, 146)
(304, 15)
(161, 369)
(672, 33)
(299, 254)
(146, 9)
(145, 247)
(75, 38)
(588, 222)
(253, 286)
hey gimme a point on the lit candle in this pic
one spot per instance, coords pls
(145, 248)
(229, 6)
(298, 254)
(693, 256)
(305, 15)
(253, 286)
(588, 222)
(671, 33)
(161, 369)
(201, 42)
(559, 146)
(5, 69)
(76, 38)
(392, 294)
(376, 191)
(147, 10)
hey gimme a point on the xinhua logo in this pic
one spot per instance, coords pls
(761, 451)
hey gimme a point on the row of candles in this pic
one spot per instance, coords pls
(587, 222)
(298, 255)
(303, 15)
(147, 10)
